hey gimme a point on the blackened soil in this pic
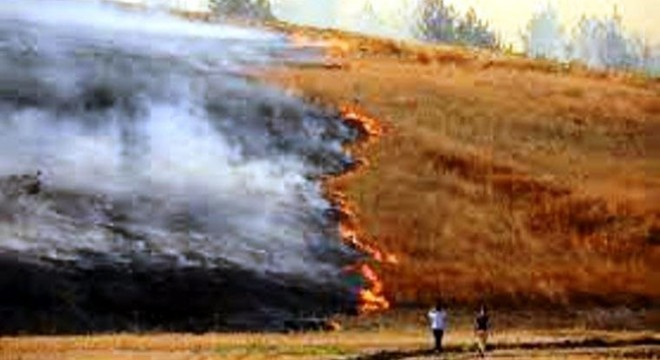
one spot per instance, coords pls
(45, 298)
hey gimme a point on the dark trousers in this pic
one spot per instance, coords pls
(437, 335)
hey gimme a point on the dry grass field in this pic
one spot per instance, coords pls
(385, 342)
(498, 178)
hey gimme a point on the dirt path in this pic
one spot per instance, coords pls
(639, 348)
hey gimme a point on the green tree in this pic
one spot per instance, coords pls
(473, 31)
(439, 22)
(436, 21)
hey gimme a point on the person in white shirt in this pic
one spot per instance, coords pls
(438, 319)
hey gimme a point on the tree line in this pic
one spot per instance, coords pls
(601, 43)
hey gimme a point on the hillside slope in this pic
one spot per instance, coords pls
(500, 179)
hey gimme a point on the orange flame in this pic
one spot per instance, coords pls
(334, 48)
(369, 125)
(371, 296)
(349, 236)
(300, 40)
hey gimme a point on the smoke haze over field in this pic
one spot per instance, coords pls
(507, 17)
(613, 34)
(156, 153)
(598, 33)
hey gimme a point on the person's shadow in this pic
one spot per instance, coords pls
(417, 353)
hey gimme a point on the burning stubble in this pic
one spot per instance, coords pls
(160, 164)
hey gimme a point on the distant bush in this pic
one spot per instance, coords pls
(545, 37)
(246, 9)
(600, 43)
(441, 23)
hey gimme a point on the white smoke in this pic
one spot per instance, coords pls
(153, 149)
(388, 19)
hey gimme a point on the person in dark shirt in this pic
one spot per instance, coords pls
(481, 328)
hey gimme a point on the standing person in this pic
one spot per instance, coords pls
(438, 319)
(481, 328)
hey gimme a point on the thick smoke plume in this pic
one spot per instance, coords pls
(157, 157)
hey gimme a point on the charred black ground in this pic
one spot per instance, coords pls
(61, 298)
